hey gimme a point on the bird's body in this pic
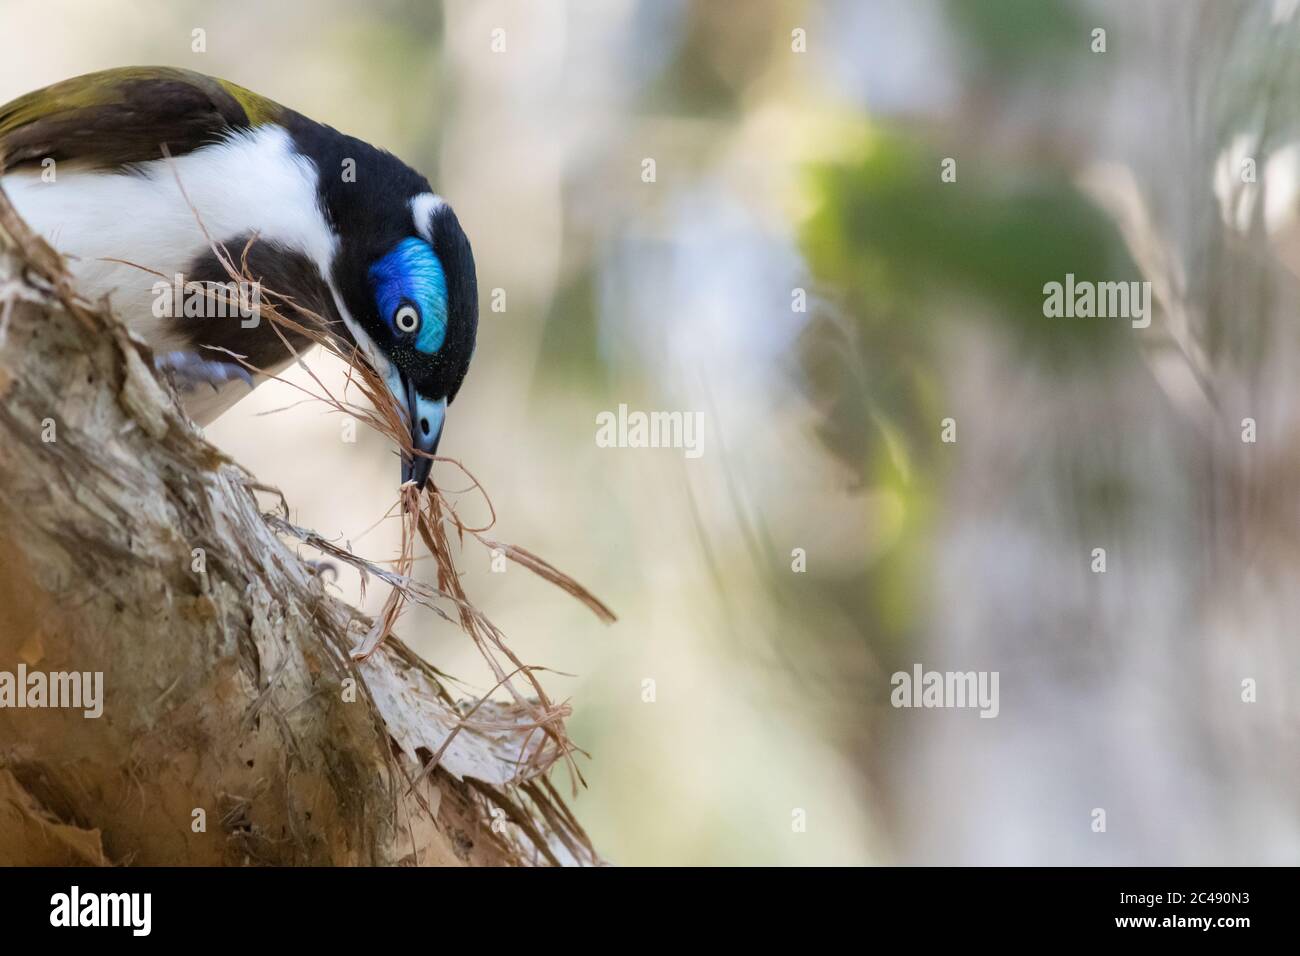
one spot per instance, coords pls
(113, 226)
(343, 229)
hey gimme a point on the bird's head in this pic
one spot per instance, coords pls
(405, 274)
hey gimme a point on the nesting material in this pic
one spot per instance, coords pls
(426, 515)
(407, 724)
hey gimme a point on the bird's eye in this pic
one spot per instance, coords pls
(407, 319)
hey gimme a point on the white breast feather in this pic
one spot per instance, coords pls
(252, 183)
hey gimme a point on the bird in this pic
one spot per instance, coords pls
(135, 174)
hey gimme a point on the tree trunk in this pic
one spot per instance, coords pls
(235, 726)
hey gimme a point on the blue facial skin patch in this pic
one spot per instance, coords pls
(412, 273)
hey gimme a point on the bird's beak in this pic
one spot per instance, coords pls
(426, 417)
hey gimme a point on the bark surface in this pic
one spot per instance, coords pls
(235, 729)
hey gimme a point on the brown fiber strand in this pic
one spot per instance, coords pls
(425, 516)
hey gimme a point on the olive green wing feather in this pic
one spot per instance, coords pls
(117, 117)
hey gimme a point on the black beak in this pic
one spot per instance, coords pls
(426, 417)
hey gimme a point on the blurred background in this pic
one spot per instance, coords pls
(799, 272)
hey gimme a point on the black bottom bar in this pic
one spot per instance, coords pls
(477, 906)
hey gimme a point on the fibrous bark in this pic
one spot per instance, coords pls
(236, 727)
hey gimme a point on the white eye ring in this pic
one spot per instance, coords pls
(407, 319)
